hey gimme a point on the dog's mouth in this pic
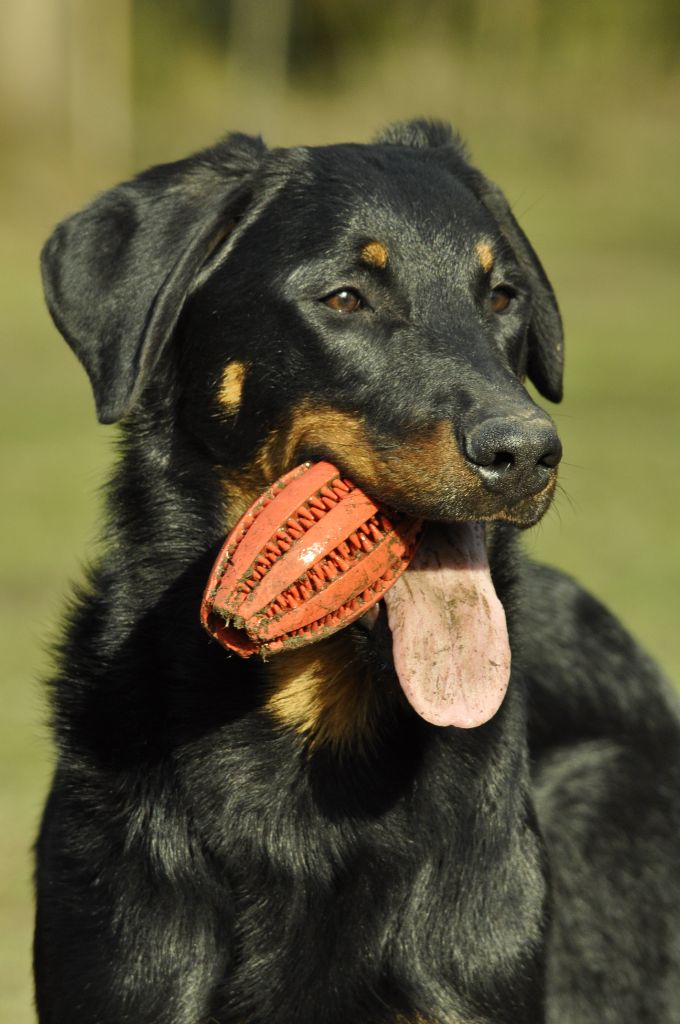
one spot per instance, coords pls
(314, 554)
(449, 638)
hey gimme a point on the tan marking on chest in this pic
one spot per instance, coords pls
(401, 473)
(326, 694)
(412, 473)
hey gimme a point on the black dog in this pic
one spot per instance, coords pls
(268, 842)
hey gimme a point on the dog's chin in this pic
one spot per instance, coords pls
(528, 511)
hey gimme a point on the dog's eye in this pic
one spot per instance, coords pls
(500, 298)
(345, 300)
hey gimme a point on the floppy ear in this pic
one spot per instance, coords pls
(546, 349)
(116, 274)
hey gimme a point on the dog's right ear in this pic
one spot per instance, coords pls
(116, 274)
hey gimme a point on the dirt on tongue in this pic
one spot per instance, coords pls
(449, 637)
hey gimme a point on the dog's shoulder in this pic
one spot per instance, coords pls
(587, 676)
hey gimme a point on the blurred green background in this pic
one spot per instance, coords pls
(574, 108)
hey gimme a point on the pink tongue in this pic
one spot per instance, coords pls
(449, 639)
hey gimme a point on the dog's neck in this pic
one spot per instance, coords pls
(335, 696)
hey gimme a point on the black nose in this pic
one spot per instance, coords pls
(514, 456)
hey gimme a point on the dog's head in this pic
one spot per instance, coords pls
(377, 306)
(374, 306)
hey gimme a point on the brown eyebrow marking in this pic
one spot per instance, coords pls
(375, 254)
(485, 254)
(231, 386)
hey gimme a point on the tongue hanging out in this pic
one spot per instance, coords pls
(314, 553)
(449, 638)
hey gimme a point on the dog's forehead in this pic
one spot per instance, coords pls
(381, 193)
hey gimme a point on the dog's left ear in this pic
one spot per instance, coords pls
(546, 341)
(116, 275)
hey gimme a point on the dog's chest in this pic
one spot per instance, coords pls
(390, 906)
(373, 944)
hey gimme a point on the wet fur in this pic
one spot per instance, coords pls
(206, 856)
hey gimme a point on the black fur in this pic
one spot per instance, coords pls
(201, 862)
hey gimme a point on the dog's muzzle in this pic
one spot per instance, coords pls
(515, 457)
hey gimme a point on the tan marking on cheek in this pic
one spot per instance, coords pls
(307, 426)
(430, 465)
(412, 474)
(326, 694)
(231, 386)
(426, 474)
(375, 254)
(485, 254)
(337, 434)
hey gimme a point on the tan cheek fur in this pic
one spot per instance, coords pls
(230, 390)
(398, 474)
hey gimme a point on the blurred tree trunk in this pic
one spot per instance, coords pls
(99, 83)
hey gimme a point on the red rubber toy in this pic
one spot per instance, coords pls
(310, 556)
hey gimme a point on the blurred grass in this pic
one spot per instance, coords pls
(585, 144)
